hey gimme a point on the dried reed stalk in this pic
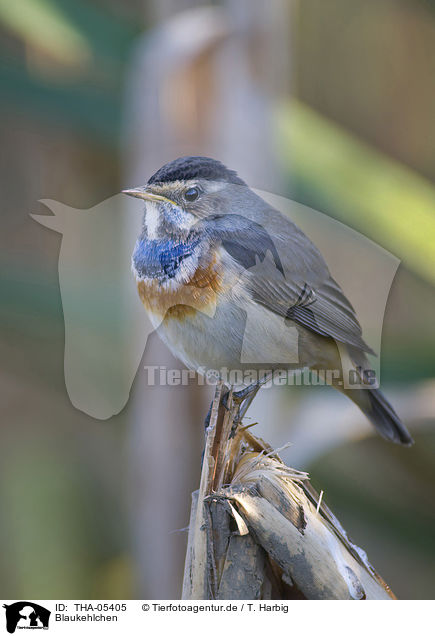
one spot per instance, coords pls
(258, 530)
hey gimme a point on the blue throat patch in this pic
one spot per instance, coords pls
(161, 258)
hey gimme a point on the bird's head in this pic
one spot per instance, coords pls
(179, 198)
(183, 191)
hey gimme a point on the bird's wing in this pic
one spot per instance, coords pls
(323, 309)
(286, 273)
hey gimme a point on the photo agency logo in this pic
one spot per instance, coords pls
(233, 293)
(266, 378)
(26, 615)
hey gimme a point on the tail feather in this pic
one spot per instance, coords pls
(370, 400)
(385, 419)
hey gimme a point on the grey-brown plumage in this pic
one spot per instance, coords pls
(207, 219)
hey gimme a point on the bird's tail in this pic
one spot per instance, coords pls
(370, 400)
(386, 420)
(382, 415)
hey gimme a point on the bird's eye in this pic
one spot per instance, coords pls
(191, 194)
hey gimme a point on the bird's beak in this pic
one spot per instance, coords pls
(147, 195)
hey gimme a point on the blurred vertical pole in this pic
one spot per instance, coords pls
(253, 72)
(203, 81)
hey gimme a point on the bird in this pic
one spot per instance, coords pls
(232, 284)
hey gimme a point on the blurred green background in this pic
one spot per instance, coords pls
(354, 136)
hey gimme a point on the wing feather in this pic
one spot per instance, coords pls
(286, 273)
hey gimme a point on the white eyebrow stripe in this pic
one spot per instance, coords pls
(207, 185)
(214, 186)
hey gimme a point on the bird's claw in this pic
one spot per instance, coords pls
(240, 396)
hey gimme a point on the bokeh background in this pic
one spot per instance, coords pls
(329, 103)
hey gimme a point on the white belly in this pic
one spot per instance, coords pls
(225, 342)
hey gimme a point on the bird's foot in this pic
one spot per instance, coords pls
(240, 396)
(245, 397)
(243, 400)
